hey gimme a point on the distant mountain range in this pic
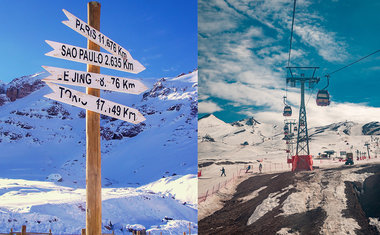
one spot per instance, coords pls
(253, 139)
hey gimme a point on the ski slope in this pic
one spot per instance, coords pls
(148, 165)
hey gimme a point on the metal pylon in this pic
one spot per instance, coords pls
(302, 137)
(293, 78)
(290, 140)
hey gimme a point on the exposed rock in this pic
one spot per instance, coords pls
(372, 128)
(176, 107)
(22, 89)
(82, 114)
(3, 99)
(54, 178)
(207, 138)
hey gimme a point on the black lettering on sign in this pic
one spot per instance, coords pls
(81, 28)
(90, 57)
(81, 53)
(119, 62)
(88, 30)
(100, 104)
(85, 57)
(106, 62)
(70, 94)
(62, 89)
(81, 78)
(74, 52)
(74, 78)
(63, 48)
(132, 114)
(65, 76)
(115, 81)
(77, 23)
(100, 58)
(125, 112)
(76, 99)
(69, 52)
(88, 78)
(128, 65)
(95, 61)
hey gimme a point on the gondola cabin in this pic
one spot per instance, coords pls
(295, 129)
(287, 111)
(323, 98)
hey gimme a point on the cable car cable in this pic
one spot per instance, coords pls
(286, 113)
(291, 32)
(354, 62)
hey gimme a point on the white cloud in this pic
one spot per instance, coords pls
(245, 66)
(324, 42)
(208, 107)
(318, 116)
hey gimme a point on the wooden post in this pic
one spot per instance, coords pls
(50, 232)
(23, 230)
(93, 163)
(189, 228)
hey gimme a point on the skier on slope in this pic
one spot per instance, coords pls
(260, 167)
(223, 172)
(248, 168)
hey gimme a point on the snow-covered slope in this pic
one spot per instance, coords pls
(45, 205)
(237, 145)
(41, 138)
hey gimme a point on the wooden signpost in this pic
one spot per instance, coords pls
(120, 59)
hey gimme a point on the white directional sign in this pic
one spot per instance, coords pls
(97, 37)
(82, 55)
(93, 103)
(94, 80)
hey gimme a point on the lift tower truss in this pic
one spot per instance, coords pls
(291, 123)
(302, 75)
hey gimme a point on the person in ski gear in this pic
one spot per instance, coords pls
(248, 168)
(260, 167)
(223, 172)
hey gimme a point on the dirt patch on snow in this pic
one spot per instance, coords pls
(324, 200)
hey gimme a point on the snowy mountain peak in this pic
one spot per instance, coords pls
(210, 120)
(178, 88)
(247, 121)
(21, 87)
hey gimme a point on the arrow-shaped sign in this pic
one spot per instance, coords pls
(93, 103)
(82, 55)
(94, 80)
(97, 37)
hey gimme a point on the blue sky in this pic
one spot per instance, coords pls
(162, 35)
(243, 51)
